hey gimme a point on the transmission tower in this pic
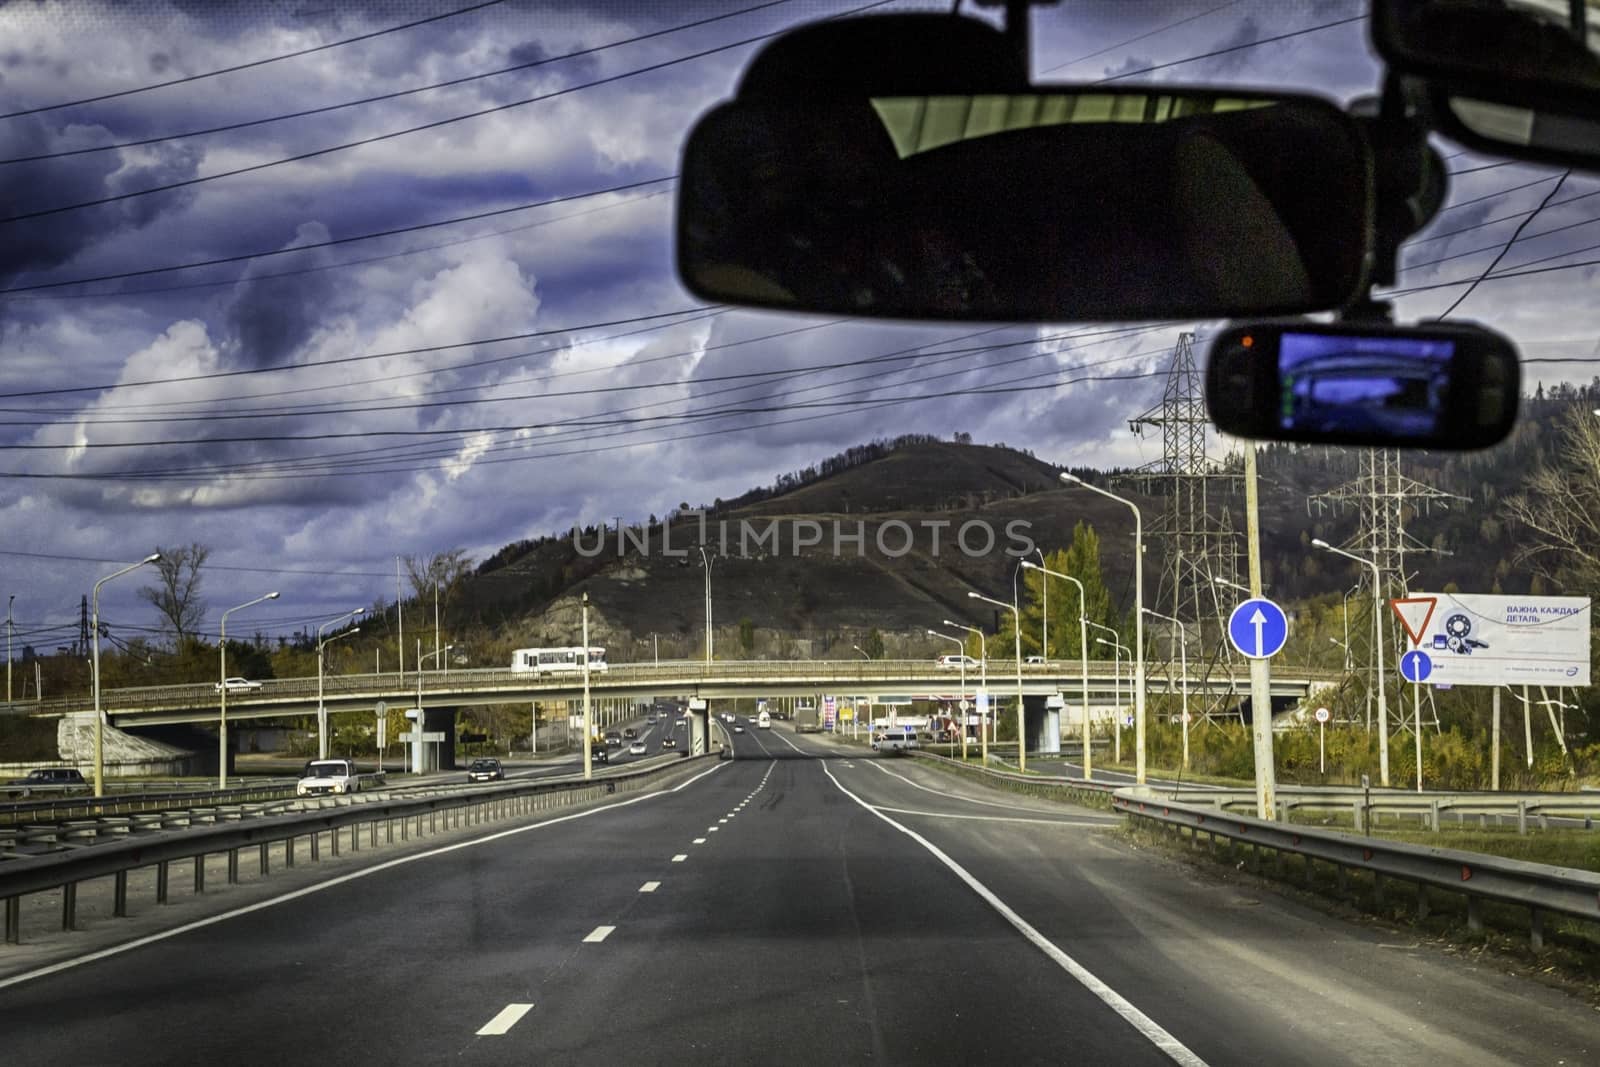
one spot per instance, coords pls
(1195, 529)
(1383, 497)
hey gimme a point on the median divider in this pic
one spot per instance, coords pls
(1538, 887)
(333, 827)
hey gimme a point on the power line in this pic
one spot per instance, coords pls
(1140, 37)
(1225, 51)
(436, 124)
(321, 573)
(187, 378)
(253, 63)
(1411, 243)
(326, 108)
(688, 416)
(391, 232)
(321, 268)
(1490, 268)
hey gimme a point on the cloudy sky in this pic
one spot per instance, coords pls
(317, 399)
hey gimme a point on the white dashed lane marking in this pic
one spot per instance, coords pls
(650, 887)
(680, 857)
(508, 1017)
(599, 934)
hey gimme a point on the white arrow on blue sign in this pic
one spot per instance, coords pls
(1258, 628)
(1416, 666)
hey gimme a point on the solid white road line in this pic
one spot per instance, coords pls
(996, 818)
(508, 1017)
(650, 887)
(1175, 1049)
(680, 857)
(598, 934)
(283, 898)
(941, 792)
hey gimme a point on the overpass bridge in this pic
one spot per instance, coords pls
(878, 679)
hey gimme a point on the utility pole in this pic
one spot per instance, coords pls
(1260, 669)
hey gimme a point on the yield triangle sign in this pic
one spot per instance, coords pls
(1414, 613)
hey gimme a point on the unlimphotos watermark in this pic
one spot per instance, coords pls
(747, 538)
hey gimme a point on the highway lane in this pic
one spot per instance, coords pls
(804, 923)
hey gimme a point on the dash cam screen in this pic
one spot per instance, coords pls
(1396, 387)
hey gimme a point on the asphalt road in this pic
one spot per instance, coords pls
(802, 903)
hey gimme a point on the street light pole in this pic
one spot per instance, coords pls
(1183, 660)
(1016, 611)
(706, 561)
(983, 687)
(588, 721)
(1377, 656)
(1044, 606)
(322, 711)
(1138, 618)
(1116, 684)
(99, 721)
(222, 716)
(962, 699)
(416, 731)
(9, 602)
(1083, 656)
(863, 654)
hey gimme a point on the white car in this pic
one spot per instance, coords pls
(894, 743)
(955, 662)
(328, 776)
(235, 685)
(637, 749)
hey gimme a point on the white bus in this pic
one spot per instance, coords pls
(556, 660)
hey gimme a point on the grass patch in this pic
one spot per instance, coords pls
(973, 772)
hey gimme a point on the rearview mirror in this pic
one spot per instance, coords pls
(1452, 386)
(1516, 77)
(1043, 205)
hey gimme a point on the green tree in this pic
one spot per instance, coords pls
(747, 635)
(1081, 560)
(872, 645)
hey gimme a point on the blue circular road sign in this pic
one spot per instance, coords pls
(1258, 628)
(1416, 666)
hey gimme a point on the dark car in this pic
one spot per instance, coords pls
(613, 739)
(629, 734)
(486, 770)
(669, 742)
(63, 778)
(600, 753)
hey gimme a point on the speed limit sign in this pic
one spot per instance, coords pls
(1323, 715)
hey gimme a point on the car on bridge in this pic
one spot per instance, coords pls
(236, 685)
(323, 776)
(486, 770)
(955, 662)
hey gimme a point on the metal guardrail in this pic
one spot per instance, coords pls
(86, 805)
(1540, 888)
(66, 870)
(1429, 808)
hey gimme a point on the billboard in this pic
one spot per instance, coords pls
(1493, 639)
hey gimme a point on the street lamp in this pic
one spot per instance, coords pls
(322, 711)
(707, 561)
(1083, 652)
(222, 717)
(416, 731)
(588, 720)
(1138, 617)
(9, 602)
(1183, 659)
(863, 653)
(99, 722)
(983, 686)
(1016, 612)
(1044, 606)
(961, 660)
(1118, 648)
(1377, 655)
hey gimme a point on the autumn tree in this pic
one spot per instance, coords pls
(177, 592)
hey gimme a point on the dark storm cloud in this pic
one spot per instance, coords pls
(271, 317)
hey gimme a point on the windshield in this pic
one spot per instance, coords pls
(344, 357)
